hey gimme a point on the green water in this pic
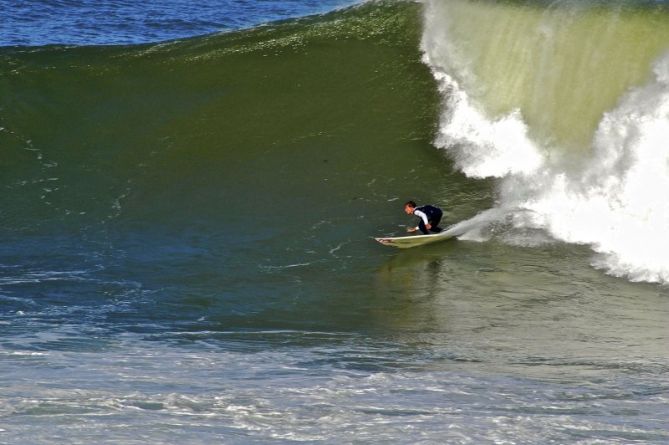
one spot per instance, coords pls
(257, 165)
(292, 127)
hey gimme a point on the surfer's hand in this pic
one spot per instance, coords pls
(428, 226)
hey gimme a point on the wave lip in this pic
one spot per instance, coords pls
(607, 190)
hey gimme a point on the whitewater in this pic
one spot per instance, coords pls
(569, 108)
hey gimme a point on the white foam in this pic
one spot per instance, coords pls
(618, 204)
(482, 147)
(614, 199)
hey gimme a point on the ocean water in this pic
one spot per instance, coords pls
(187, 224)
(108, 22)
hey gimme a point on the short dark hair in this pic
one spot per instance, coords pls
(410, 204)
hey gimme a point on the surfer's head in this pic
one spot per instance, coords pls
(409, 207)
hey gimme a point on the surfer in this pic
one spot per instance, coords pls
(429, 217)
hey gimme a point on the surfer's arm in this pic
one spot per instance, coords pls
(422, 216)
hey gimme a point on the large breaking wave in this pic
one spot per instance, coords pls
(569, 107)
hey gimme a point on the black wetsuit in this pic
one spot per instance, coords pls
(433, 215)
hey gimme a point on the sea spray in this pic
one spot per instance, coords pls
(483, 147)
(619, 202)
(580, 147)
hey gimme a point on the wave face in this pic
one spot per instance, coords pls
(250, 165)
(569, 106)
(183, 131)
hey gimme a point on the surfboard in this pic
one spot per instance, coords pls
(405, 242)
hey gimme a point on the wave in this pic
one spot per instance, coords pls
(181, 132)
(565, 105)
(568, 105)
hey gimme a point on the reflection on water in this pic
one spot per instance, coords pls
(522, 310)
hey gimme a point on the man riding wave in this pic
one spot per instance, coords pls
(429, 217)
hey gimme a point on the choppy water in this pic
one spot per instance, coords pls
(105, 22)
(187, 252)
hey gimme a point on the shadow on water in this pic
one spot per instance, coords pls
(411, 282)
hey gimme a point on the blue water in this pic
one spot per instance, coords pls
(105, 22)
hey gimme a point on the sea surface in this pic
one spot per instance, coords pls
(190, 193)
(109, 22)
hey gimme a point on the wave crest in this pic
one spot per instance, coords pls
(608, 191)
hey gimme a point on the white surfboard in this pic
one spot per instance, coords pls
(483, 219)
(405, 242)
